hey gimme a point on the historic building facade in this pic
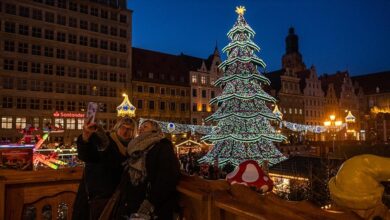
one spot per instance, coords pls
(56, 57)
(161, 86)
(203, 89)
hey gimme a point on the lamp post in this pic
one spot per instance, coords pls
(333, 126)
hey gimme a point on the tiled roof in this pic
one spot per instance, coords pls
(166, 68)
(369, 82)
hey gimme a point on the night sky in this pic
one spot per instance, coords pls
(334, 35)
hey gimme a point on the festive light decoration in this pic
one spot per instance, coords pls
(243, 131)
(176, 128)
(126, 109)
(277, 112)
(377, 110)
(350, 118)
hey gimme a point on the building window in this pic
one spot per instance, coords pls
(151, 89)
(6, 122)
(93, 74)
(61, 3)
(60, 105)
(37, 14)
(162, 91)
(82, 106)
(49, 52)
(71, 123)
(212, 94)
(80, 123)
(48, 69)
(103, 29)
(194, 79)
(113, 77)
(151, 105)
(8, 64)
(23, 48)
(36, 50)
(21, 84)
(35, 122)
(194, 107)
(83, 73)
(139, 104)
(22, 66)
(9, 45)
(113, 46)
(173, 106)
(35, 85)
(72, 89)
(60, 88)
(113, 31)
(60, 53)
(104, 44)
(162, 106)
(84, 24)
(35, 67)
(94, 27)
(122, 77)
(103, 14)
(103, 91)
(93, 42)
(173, 92)
(34, 103)
(203, 107)
(203, 80)
(61, 36)
(37, 32)
(7, 102)
(94, 11)
(21, 103)
(23, 29)
(123, 33)
(59, 122)
(150, 75)
(93, 58)
(10, 9)
(49, 34)
(47, 86)
(84, 9)
(9, 27)
(182, 107)
(123, 48)
(73, 22)
(82, 89)
(112, 92)
(123, 18)
(194, 121)
(73, 6)
(204, 93)
(8, 83)
(47, 104)
(71, 106)
(49, 17)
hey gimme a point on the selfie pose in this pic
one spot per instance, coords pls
(103, 154)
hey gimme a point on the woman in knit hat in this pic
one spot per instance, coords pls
(103, 154)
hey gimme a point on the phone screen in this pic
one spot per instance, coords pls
(91, 112)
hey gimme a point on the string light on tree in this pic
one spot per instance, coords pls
(243, 128)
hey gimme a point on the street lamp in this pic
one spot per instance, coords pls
(333, 126)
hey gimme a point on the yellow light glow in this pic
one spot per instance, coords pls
(332, 117)
(327, 123)
(338, 123)
(208, 108)
(377, 110)
(240, 10)
(124, 94)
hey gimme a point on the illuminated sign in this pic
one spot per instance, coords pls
(68, 115)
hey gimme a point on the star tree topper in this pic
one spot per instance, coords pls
(240, 10)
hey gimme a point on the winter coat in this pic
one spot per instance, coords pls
(162, 168)
(102, 173)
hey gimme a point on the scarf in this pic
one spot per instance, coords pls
(137, 150)
(121, 147)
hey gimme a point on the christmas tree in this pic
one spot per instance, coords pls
(243, 128)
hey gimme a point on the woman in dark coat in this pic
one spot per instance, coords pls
(149, 186)
(103, 154)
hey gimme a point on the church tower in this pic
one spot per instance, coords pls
(292, 59)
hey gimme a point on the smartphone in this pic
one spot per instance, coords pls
(91, 112)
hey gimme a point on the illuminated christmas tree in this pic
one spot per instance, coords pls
(243, 128)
